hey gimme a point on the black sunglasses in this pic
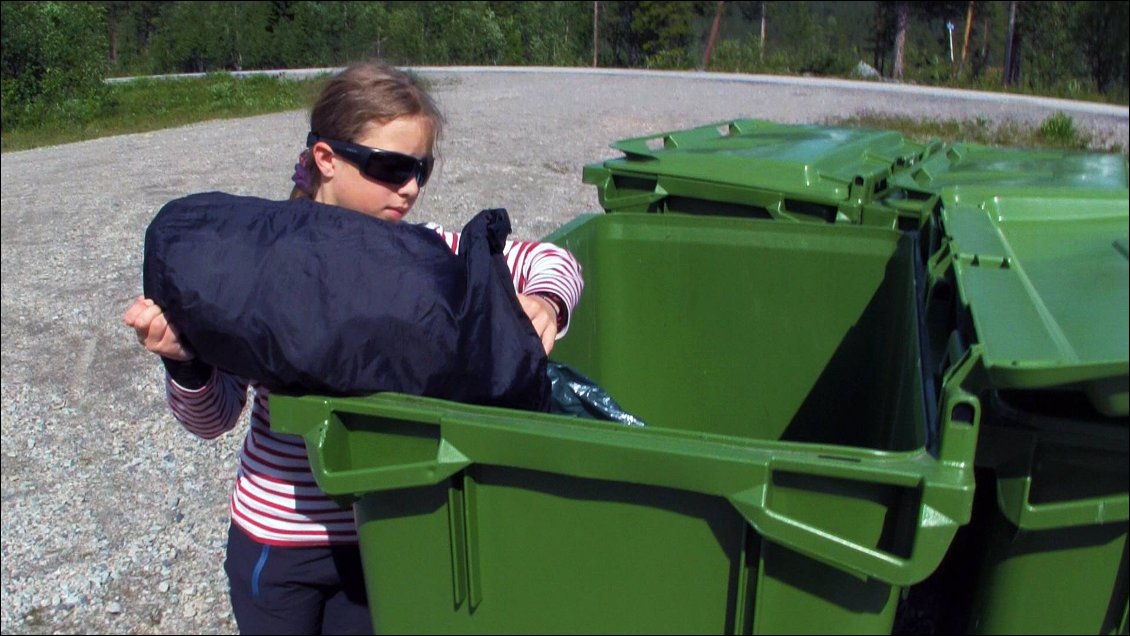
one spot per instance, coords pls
(382, 165)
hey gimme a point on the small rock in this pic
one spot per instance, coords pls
(114, 607)
(866, 71)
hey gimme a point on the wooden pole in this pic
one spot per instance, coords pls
(713, 35)
(595, 36)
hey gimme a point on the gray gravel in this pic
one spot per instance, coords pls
(113, 516)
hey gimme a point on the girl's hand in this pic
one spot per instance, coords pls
(543, 315)
(153, 331)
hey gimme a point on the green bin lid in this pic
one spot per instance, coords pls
(808, 163)
(1044, 273)
(977, 164)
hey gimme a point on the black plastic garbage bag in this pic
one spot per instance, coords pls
(311, 298)
(576, 394)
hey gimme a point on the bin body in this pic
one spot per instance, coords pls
(563, 554)
(1059, 574)
(1041, 289)
(1088, 594)
(782, 482)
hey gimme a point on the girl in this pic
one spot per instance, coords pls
(293, 560)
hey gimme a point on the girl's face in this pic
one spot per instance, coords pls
(344, 184)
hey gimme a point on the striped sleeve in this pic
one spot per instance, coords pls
(210, 410)
(537, 268)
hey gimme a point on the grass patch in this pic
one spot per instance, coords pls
(153, 104)
(1057, 131)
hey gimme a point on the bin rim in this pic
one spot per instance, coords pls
(737, 469)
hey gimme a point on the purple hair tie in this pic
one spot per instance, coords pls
(302, 177)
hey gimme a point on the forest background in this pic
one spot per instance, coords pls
(56, 56)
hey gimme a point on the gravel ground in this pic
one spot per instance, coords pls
(113, 516)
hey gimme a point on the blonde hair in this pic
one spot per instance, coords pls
(362, 94)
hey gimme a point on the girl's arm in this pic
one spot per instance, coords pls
(206, 401)
(538, 269)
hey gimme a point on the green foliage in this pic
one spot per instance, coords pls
(151, 104)
(670, 59)
(735, 56)
(55, 54)
(545, 33)
(406, 41)
(799, 41)
(1049, 53)
(307, 34)
(1059, 130)
(467, 33)
(204, 36)
(132, 26)
(639, 34)
(52, 62)
(1070, 49)
(1102, 29)
(806, 43)
(662, 27)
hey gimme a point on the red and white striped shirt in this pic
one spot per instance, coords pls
(276, 500)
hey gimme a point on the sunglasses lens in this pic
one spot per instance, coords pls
(425, 171)
(393, 167)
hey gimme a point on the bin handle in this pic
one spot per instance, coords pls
(448, 459)
(1014, 489)
(940, 513)
(1013, 499)
(932, 538)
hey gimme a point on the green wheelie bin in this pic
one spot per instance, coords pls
(753, 168)
(792, 477)
(971, 164)
(1034, 281)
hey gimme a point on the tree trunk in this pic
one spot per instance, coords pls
(878, 55)
(1011, 64)
(986, 29)
(968, 32)
(761, 42)
(713, 35)
(112, 23)
(902, 20)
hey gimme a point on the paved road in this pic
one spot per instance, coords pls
(113, 517)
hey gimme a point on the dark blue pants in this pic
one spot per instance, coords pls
(277, 590)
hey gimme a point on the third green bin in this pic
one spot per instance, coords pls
(1008, 169)
(1040, 280)
(789, 477)
(760, 169)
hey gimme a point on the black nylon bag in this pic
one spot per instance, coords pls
(312, 298)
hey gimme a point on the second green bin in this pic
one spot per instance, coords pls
(1040, 280)
(790, 477)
